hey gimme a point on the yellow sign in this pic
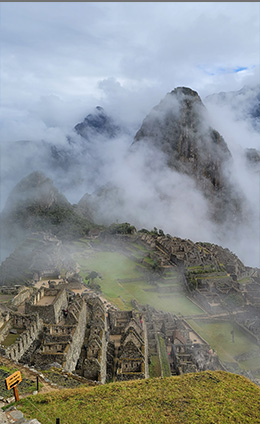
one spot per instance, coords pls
(13, 380)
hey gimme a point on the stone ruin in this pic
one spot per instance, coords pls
(113, 347)
(92, 360)
(64, 323)
(180, 252)
(212, 275)
(18, 333)
(127, 333)
(48, 303)
(87, 336)
(185, 353)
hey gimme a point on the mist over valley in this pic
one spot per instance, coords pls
(178, 172)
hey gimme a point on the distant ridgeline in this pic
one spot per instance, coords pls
(35, 205)
(41, 254)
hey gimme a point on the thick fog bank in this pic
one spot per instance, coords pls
(142, 189)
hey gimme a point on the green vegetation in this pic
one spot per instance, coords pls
(26, 386)
(251, 364)
(124, 280)
(124, 228)
(164, 359)
(218, 335)
(62, 219)
(148, 260)
(112, 266)
(245, 280)
(195, 273)
(11, 338)
(199, 398)
(154, 367)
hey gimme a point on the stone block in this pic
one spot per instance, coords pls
(10, 400)
(15, 415)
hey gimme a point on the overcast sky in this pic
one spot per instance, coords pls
(64, 58)
(58, 61)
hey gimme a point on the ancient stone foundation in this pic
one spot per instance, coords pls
(62, 342)
(48, 303)
(18, 333)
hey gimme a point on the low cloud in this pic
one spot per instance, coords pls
(147, 193)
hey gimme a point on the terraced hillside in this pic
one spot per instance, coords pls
(129, 270)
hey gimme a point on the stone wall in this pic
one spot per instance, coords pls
(7, 325)
(58, 332)
(16, 321)
(127, 331)
(36, 297)
(53, 347)
(118, 320)
(4, 317)
(9, 290)
(74, 348)
(62, 342)
(45, 360)
(92, 362)
(176, 334)
(103, 359)
(48, 313)
(91, 369)
(32, 326)
(24, 293)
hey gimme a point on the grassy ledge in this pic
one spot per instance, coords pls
(205, 397)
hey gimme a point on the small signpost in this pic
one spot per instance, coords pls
(12, 381)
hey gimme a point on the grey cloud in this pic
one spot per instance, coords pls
(60, 60)
(45, 45)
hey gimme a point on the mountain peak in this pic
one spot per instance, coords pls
(97, 123)
(35, 204)
(179, 127)
(185, 91)
(35, 188)
(34, 179)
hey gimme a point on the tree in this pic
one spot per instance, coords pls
(92, 276)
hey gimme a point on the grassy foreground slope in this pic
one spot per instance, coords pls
(205, 397)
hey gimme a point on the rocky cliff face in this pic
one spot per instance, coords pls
(178, 126)
(97, 123)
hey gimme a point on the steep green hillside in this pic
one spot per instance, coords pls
(206, 397)
(36, 205)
